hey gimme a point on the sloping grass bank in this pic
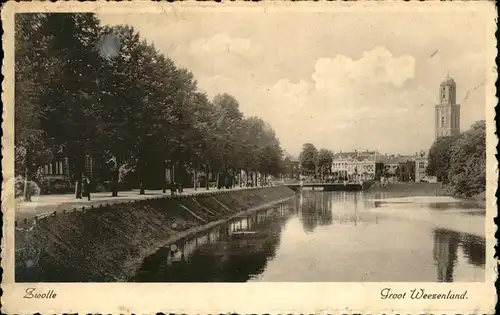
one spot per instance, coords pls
(406, 189)
(106, 244)
(447, 190)
(411, 189)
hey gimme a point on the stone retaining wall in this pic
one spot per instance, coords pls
(106, 243)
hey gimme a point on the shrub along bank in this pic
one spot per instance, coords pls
(109, 243)
(460, 162)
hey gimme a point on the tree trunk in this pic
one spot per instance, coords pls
(25, 188)
(79, 167)
(78, 191)
(195, 179)
(207, 168)
(234, 180)
(27, 176)
(164, 185)
(115, 182)
(240, 179)
(142, 166)
(116, 177)
(173, 173)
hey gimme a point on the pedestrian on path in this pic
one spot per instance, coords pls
(86, 187)
(173, 188)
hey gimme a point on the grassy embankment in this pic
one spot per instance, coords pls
(410, 189)
(109, 243)
(407, 189)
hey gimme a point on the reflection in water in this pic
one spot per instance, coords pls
(446, 244)
(465, 204)
(315, 210)
(296, 240)
(228, 253)
(445, 254)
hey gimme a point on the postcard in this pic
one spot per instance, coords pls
(270, 157)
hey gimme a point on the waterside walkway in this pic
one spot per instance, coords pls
(44, 205)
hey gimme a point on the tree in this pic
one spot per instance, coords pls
(270, 154)
(308, 159)
(439, 158)
(71, 97)
(250, 139)
(325, 159)
(33, 65)
(118, 101)
(201, 124)
(134, 109)
(461, 161)
(228, 128)
(467, 171)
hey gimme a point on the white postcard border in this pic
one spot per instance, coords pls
(249, 297)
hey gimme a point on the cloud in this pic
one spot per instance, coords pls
(342, 102)
(345, 96)
(351, 86)
(345, 86)
(221, 55)
(373, 101)
(220, 44)
(377, 66)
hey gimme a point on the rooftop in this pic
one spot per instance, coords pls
(448, 81)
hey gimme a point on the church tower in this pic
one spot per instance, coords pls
(447, 120)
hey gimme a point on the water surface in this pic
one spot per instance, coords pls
(330, 236)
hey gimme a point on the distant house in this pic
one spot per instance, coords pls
(58, 174)
(340, 164)
(406, 171)
(357, 165)
(421, 161)
(391, 167)
(57, 169)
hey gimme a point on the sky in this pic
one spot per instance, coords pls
(340, 80)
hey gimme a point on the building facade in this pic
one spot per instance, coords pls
(391, 168)
(407, 171)
(57, 169)
(340, 164)
(59, 174)
(362, 165)
(421, 161)
(447, 112)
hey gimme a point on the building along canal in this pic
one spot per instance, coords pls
(333, 236)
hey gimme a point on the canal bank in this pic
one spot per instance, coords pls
(338, 236)
(412, 189)
(108, 243)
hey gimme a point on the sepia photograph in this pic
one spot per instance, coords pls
(190, 144)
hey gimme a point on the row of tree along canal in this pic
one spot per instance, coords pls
(126, 105)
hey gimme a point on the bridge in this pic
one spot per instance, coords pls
(325, 186)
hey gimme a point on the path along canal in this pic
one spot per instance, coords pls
(333, 236)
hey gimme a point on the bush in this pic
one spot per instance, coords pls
(461, 162)
(57, 186)
(467, 171)
(32, 188)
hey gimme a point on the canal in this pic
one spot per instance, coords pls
(330, 236)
